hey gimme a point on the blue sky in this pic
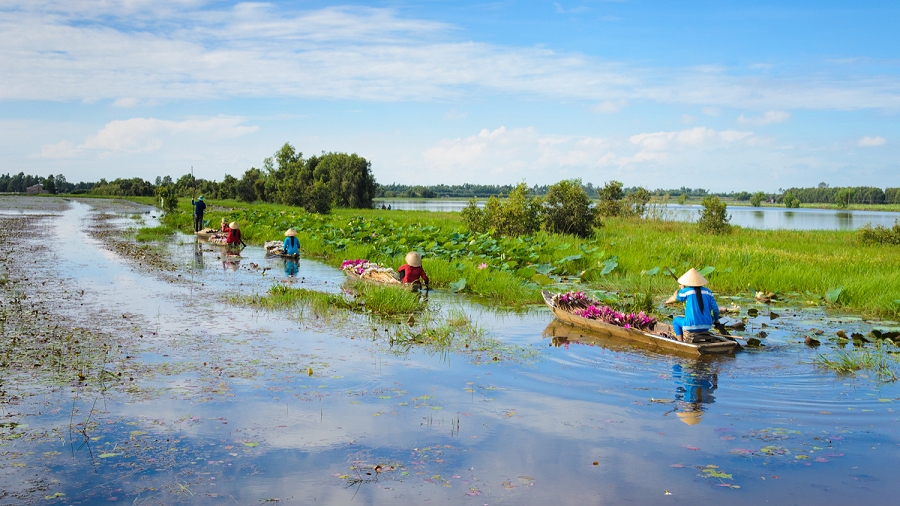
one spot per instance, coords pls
(726, 96)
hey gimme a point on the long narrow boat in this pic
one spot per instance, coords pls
(716, 345)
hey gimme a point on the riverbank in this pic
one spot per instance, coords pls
(625, 256)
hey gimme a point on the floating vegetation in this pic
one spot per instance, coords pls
(158, 233)
(384, 301)
(880, 359)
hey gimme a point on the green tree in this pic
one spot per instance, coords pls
(714, 218)
(636, 201)
(611, 199)
(842, 197)
(519, 214)
(567, 209)
(790, 200)
(474, 217)
(168, 199)
(757, 199)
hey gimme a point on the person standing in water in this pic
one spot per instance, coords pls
(291, 244)
(412, 271)
(700, 309)
(199, 207)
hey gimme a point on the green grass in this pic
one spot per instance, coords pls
(387, 300)
(383, 301)
(149, 234)
(804, 264)
(878, 360)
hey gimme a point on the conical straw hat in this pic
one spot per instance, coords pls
(414, 259)
(234, 225)
(692, 278)
(291, 233)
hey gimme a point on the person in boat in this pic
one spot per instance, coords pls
(291, 243)
(383, 207)
(700, 309)
(412, 271)
(234, 235)
(223, 227)
(199, 207)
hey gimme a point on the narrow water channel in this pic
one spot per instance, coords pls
(242, 406)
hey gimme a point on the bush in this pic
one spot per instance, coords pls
(168, 200)
(790, 200)
(757, 199)
(880, 234)
(636, 202)
(519, 214)
(842, 197)
(567, 209)
(714, 218)
(611, 199)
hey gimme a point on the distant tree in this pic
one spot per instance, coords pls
(636, 202)
(842, 197)
(49, 184)
(790, 200)
(611, 199)
(757, 199)
(519, 214)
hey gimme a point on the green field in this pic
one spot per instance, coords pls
(622, 257)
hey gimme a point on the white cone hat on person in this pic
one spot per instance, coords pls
(692, 278)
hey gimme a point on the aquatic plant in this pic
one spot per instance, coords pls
(880, 359)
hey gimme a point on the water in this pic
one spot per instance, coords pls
(223, 410)
(767, 218)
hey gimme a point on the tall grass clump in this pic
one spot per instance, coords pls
(714, 218)
(387, 300)
(880, 234)
(878, 360)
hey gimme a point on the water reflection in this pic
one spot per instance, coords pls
(231, 262)
(291, 267)
(694, 386)
(198, 255)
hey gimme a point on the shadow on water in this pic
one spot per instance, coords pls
(232, 404)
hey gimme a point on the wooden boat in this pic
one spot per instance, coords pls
(211, 236)
(381, 280)
(650, 340)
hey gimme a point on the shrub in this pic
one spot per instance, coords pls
(842, 197)
(636, 202)
(880, 234)
(790, 200)
(757, 199)
(611, 199)
(519, 214)
(567, 209)
(167, 198)
(714, 218)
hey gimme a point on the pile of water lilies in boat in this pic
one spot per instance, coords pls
(581, 305)
(369, 271)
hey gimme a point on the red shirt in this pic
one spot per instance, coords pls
(410, 274)
(234, 236)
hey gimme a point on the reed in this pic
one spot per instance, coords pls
(879, 360)
(158, 233)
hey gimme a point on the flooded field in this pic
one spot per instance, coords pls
(130, 376)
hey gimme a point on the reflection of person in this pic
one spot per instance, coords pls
(199, 207)
(234, 235)
(198, 255)
(290, 267)
(291, 243)
(700, 308)
(412, 270)
(694, 387)
(231, 265)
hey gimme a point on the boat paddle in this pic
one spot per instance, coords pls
(721, 328)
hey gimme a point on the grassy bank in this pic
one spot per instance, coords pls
(621, 257)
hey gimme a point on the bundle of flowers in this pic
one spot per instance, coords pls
(609, 315)
(370, 270)
(571, 301)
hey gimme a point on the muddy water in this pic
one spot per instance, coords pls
(222, 408)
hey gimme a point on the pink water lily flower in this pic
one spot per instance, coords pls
(482, 266)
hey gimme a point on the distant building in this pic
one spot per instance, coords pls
(34, 190)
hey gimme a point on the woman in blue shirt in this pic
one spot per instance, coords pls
(291, 243)
(700, 308)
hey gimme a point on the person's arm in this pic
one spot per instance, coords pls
(715, 309)
(673, 299)
(425, 277)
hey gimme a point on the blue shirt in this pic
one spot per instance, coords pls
(291, 245)
(694, 318)
(199, 207)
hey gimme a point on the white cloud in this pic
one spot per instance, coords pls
(687, 119)
(711, 111)
(660, 141)
(768, 118)
(145, 135)
(144, 50)
(610, 106)
(872, 141)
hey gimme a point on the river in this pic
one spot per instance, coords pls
(745, 216)
(221, 403)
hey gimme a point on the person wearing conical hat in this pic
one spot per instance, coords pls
(700, 308)
(412, 271)
(199, 207)
(234, 235)
(291, 243)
